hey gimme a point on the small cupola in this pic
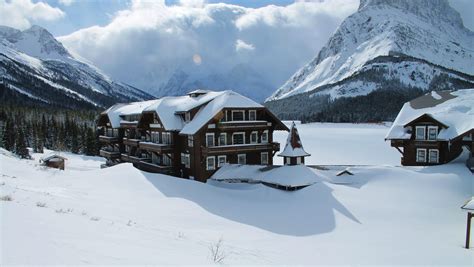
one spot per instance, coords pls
(294, 153)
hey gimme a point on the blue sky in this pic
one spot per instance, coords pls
(86, 13)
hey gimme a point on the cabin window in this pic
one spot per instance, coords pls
(223, 139)
(253, 137)
(421, 155)
(166, 138)
(264, 158)
(211, 163)
(166, 159)
(298, 160)
(187, 117)
(238, 115)
(145, 155)
(287, 161)
(155, 159)
(241, 159)
(432, 132)
(238, 138)
(252, 115)
(420, 132)
(265, 136)
(221, 160)
(190, 140)
(210, 139)
(155, 137)
(185, 160)
(434, 156)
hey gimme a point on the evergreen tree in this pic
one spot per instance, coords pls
(8, 135)
(20, 145)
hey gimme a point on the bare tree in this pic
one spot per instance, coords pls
(217, 251)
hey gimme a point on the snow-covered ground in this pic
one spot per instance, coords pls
(120, 215)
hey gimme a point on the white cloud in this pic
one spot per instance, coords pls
(21, 14)
(241, 45)
(146, 43)
(66, 2)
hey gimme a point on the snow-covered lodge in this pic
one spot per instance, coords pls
(434, 128)
(189, 136)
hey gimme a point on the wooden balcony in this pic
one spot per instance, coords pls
(130, 142)
(159, 148)
(108, 139)
(240, 148)
(128, 124)
(109, 154)
(132, 159)
(150, 167)
(228, 125)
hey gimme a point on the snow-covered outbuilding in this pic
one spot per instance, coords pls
(287, 178)
(191, 135)
(434, 128)
(294, 153)
(53, 160)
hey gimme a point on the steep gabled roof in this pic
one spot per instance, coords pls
(228, 99)
(453, 109)
(116, 111)
(294, 147)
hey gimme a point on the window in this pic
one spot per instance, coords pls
(221, 160)
(421, 155)
(166, 138)
(264, 158)
(265, 136)
(298, 160)
(434, 156)
(211, 163)
(166, 159)
(223, 139)
(238, 138)
(420, 132)
(252, 115)
(253, 137)
(185, 160)
(210, 139)
(190, 140)
(187, 117)
(432, 132)
(155, 137)
(238, 115)
(287, 161)
(127, 149)
(241, 159)
(155, 159)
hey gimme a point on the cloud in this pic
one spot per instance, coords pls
(21, 14)
(241, 45)
(147, 43)
(66, 2)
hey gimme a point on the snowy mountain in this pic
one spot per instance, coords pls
(399, 44)
(35, 67)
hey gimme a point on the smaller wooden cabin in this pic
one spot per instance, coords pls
(53, 161)
(294, 153)
(435, 128)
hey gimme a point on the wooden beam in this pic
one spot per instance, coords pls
(468, 230)
(399, 150)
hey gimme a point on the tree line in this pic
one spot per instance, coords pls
(40, 128)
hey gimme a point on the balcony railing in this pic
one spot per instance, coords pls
(108, 139)
(240, 148)
(150, 167)
(130, 142)
(159, 148)
(109, 154)
(243, 124)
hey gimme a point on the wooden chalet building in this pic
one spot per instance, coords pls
(189, 136)
(434, 128)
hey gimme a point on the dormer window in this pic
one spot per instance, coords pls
(252, 115)
(420, 132)
(238, 115)
(432, 132)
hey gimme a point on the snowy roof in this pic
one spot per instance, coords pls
(469, 205)
(116, 111)
(455, 109)
(50, 156)
(294, 147)
(297, 175)
(228, 99)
